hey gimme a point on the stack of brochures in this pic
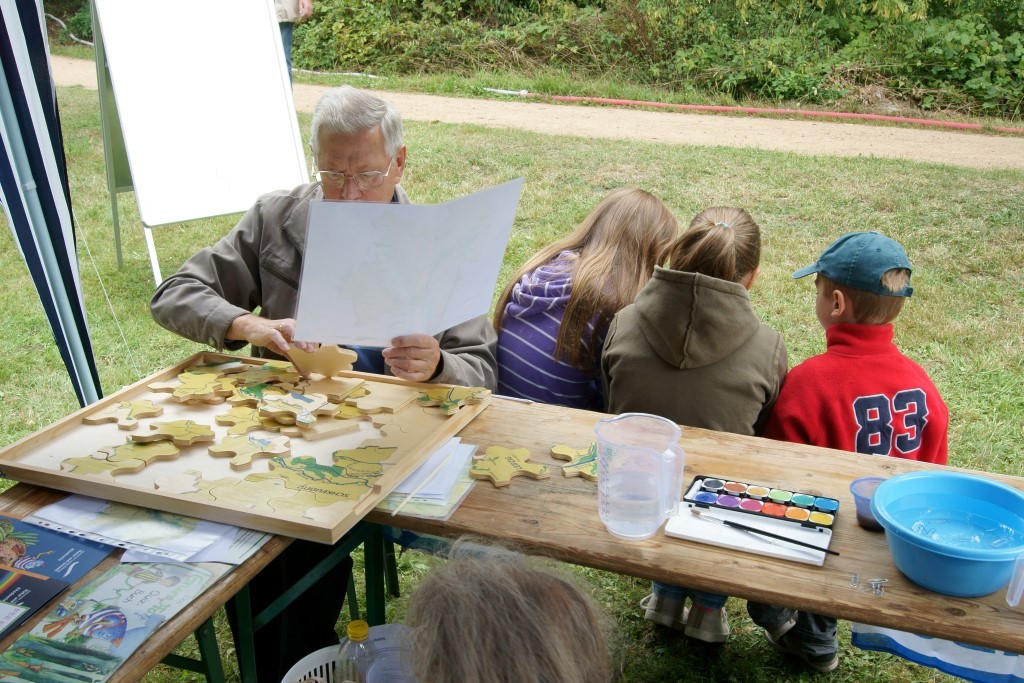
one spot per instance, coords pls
(437, 487)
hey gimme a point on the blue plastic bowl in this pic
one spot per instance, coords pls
(952, 533)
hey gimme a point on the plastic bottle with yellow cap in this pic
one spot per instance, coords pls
(355, 655)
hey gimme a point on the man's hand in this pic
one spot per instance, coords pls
(276, 335)
(413, 357)
(305, 9)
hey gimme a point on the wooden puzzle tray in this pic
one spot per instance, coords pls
(249, 442)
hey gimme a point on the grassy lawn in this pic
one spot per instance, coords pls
(964, 324)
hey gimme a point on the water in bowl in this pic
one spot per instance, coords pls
(958, 528)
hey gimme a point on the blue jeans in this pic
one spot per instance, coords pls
(287, 28)
(814, 634)
(700, 598)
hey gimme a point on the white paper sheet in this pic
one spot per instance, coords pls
(372, 272)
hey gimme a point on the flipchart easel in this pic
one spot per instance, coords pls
(196, 109)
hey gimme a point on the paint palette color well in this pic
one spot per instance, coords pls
(717, 493)
(800, 516)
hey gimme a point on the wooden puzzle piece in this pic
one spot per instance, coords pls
(323, 429)
(220, 369)
(252, 394)
(271, 372)
(350, 478)
(336, 389)
(238, 493)
(293, 486)
(414, 419)
(195, 388)
(129, 457)
(125, 413)
(408, 433)
(500, 464)
(245, 419)
(450, 399)
(347, 412)
(326, 361)
(582, 461)
(296, 408)
(181, 432)
(245, 448)
(388, 398)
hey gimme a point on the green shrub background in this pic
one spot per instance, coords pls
(967, 55)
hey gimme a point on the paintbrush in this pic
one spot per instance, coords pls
(754, 530)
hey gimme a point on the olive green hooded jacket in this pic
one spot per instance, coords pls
(692, 349)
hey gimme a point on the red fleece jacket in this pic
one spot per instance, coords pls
(862, 395)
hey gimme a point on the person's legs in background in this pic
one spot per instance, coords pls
(812, 638)
(706, 619)
(665, 605)
(287, 29)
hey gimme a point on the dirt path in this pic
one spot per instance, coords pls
(972, 150)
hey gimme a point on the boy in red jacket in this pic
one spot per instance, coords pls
(861, 395)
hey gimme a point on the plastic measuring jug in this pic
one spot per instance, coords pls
(1016, 587)
(639, 473)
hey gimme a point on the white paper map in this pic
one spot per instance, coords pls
(372, 271)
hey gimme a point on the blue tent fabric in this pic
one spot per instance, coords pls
(970, 662)
(34, 187)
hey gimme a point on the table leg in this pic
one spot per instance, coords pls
(209, 663)
(246, 647)
(373, 551)
(373, 547)
(391, 570)
(206, 638)
(339, 553)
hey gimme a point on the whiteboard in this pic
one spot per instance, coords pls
(205, 104)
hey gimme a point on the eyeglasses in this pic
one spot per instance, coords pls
(367, 180)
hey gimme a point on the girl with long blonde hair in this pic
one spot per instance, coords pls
(552, 317)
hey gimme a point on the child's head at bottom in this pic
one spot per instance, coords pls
(489, 614)
(862, 278)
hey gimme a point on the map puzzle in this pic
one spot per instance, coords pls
(251, 442)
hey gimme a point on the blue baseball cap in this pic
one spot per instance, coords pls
(858, 260)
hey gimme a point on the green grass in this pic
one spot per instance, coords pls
(964, 324)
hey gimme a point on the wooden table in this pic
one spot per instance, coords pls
(558, 517)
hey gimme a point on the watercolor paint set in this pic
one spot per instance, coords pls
(766, 501)
(756, 518)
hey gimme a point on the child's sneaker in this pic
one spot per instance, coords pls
(782, 629)
(822, 663)
(707, 624)
(664, 611)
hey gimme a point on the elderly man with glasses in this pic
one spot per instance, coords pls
(356, 139)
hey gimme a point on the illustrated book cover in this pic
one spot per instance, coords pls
(94, 629)
(36, 565)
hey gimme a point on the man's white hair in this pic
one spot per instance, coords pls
(346, 110)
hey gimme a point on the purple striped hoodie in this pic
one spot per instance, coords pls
(526, 342)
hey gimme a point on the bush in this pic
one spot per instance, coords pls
(963, 54)
(950, 61)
